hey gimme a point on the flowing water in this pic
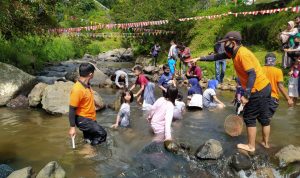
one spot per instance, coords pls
(32, 137)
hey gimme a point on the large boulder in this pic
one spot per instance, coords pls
(20, 101)
(240, 162)
(52, 170)
(5, 170)
(99, 78)
(212, 149)
(288, 155)
(12, 82)
(98, 101)
(116, 55)
(56, 97)
(143, 61)
(22, 173)
(151, 69)
(35, 96)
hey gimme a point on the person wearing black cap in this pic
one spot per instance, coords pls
(275, 77)
(257, 87)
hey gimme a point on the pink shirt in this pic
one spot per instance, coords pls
(162, 115)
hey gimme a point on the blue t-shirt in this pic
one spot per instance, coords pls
(164, 79)
(171, 63)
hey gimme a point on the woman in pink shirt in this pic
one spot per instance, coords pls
(161, 115)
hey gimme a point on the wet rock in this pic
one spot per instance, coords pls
(225, 87)
(240, 162)
(171, 146)
(143, 61)
(150, 69)
(87, 57)
(288, 155)
(52, 170)
(5, 170)
(49, 80)
(22, 173)
(56, 97)
(72, 76)
(212, 149)
(20, 101)
(117, 103)
(98, 101)
(232, 88)
(98, 79)
(35, 96)
(12, 82)
(116, 55)
(265, 173)
(108, 83)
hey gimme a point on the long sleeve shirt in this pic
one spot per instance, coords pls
(118, 74)
(161, 117)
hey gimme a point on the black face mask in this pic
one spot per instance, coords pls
(229, 49)
(297, 43)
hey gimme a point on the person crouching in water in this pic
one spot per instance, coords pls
(123, 117)
(210, 99)
(194, 94)
(120, 78)
(161, 115)
(82, 111)
(146, 91)
(179, 108)
(166, 79)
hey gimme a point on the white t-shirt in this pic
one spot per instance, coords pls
(178, 109)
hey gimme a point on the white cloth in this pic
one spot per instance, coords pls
(172, 52)
(178, 109)
(196, 101)
(293, 87)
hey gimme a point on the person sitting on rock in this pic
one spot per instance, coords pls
(82, 111)
(210, 100)
(287, 35)
(194, 71)
(121, 79)
(146, 91)
(194, 94)
(124, 113)
(161, 115)
(166, 79)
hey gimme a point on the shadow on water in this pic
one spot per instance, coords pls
(32, 137)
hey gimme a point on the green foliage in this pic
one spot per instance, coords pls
(59, 48)
(97, 47)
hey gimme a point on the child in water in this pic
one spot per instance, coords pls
(210, 99)
(161, 115)
(166, 79)
(293, 81)
(146, 91)
(179, 108)
(123, 117)
(194, 94)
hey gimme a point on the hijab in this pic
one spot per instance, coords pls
(195, 87)
(213, 84)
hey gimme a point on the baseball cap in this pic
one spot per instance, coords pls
(232, 35)
(270, 59)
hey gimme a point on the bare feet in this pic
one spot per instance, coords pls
(265, 145)
(245, 147)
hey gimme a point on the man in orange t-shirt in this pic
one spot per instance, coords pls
(275, 76)
(257, 87)
(82, 108)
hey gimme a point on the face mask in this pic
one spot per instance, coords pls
(297, 43)
(229, 49)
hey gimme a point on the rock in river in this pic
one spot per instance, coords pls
(240, 162)
(22, 173)
(56, 97)
(20, 101)
(288, 155)
(212, 149)
(52, 170)
(5, 170)
(35, 96)
(12, 82)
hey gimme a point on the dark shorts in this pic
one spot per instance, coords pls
(258, 108)
(274, 103)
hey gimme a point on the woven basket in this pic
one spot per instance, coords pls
(233, 125)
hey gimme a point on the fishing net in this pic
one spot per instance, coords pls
(233, 125)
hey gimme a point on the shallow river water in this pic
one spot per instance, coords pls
(32, 137)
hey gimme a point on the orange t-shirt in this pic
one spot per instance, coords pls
(275, 75)
(82, 98)
(244, 61)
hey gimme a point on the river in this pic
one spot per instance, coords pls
(33, 138)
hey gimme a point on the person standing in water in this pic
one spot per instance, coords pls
(257, 96)
(82, 111)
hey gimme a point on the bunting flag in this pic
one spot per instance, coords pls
(138, 25)
(118, 35)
